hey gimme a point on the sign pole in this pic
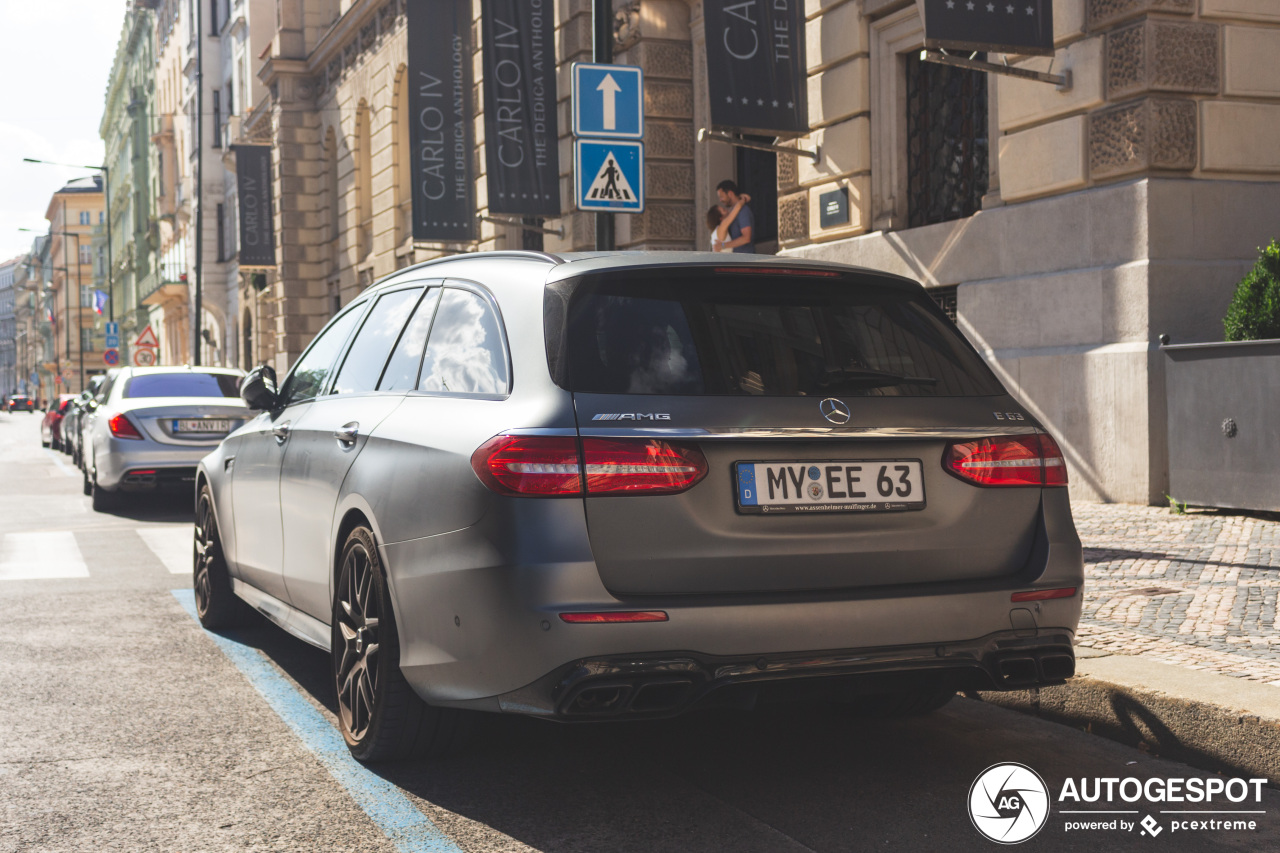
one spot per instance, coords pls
(602, 53)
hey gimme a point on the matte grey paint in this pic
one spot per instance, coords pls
(475, 575)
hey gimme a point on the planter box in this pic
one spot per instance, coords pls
(1224, 424)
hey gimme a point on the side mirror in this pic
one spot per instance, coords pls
(258, 389)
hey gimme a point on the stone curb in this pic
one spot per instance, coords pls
(1209, 721)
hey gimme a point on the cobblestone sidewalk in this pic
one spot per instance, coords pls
(1198, 590)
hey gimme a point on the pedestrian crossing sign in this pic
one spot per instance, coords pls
(609, 175)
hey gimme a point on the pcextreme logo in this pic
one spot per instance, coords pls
(1009, 803)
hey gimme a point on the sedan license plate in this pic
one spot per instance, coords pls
(206, 425)
(857, 485)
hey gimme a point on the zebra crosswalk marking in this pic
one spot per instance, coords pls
(40, 556)
(172, 545)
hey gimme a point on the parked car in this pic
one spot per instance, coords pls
(51, 425)
(152, 425)
(73, 419)
(593, 487)
(21, 403)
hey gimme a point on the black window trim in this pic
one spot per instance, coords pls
(361, 305)
(488, 297)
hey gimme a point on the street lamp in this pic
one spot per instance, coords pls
(106, 188)
(66, 300)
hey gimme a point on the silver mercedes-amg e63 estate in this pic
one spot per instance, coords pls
(615, 486)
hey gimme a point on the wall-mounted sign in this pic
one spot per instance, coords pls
(253, 191)
(522, 155)
(833, 208)
(441, 145)
(756, 71)
(990, 26)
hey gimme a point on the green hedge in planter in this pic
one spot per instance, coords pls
(1254, 314)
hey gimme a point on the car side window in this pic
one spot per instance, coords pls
(402, 370)
(465, 352)
(368, 352)
(311, 371)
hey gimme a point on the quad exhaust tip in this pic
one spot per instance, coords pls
(621, 697)
(1029, 670)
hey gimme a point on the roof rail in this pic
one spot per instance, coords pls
(504, 253)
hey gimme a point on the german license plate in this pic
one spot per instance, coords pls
(201, 425)
(854, 485)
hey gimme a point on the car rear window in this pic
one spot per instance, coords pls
(183, 385)
(698, 333)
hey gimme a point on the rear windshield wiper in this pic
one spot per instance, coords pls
(872, 377)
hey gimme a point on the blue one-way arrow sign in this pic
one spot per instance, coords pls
(608, 101)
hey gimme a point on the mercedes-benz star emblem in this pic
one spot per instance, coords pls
(835, 411)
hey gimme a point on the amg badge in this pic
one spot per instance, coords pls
(637, 416)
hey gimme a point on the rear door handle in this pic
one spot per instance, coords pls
(281, 432)
(346, 434)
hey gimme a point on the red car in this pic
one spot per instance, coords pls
(51, 426)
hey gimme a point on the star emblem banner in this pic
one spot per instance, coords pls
(756, 65)
(990, 26)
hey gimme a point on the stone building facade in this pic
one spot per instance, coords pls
(8, 328)
(73, 213)
(126, 129)
(1065, 227)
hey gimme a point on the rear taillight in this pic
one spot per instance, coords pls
(627, 465)
(551, 466)
(122, 427)
(543, 466)
(1007, 460)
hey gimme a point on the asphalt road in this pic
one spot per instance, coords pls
(124, 726)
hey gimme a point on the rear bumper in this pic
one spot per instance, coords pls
(116, 465)
(480, 628)
(634, 686)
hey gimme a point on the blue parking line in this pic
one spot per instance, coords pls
(386, 805)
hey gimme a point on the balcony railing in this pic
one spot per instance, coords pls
(166, 280)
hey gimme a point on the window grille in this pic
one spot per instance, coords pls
(947, 144)
(946, 299)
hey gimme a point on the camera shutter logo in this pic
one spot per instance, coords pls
(1008, 803)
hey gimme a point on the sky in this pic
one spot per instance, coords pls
(53, 83)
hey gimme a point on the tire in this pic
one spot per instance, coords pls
(380, 716)
(905, 703)
(103, 501)
(88, 487)
(217, 605)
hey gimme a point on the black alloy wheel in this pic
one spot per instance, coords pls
(380, 715)
(216, 604)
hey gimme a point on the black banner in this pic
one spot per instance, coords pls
(522, 155)
(991, 26)
(253, 192)
(756, 67)
(441, 142)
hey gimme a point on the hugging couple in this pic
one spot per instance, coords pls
(731, 222)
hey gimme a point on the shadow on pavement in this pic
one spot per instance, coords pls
(154, 506)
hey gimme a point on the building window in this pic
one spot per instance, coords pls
(160, 173)
(220, 216)
(86, 296)
(86, 254)
(217, 119)
(947, 143)
(213, 16)
(84, 217)
(102, 216)
(86, 340)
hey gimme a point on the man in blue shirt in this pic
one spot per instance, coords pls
(740, 232)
